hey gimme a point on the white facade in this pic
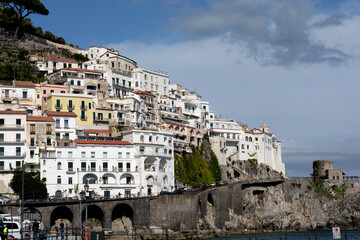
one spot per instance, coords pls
(147, 80)
(109, 167)
(12, 139)
(155, 154)
(49, 64)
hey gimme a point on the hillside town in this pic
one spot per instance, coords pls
(114, 126)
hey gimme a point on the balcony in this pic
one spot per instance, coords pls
(12, 127)
(70, 171)
(17, 156)
(125, 73)
(83, 118)
(100, 119)
(71, 107)
(83, 107)
(58, 107)
(7, 142)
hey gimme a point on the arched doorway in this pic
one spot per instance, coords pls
(31, 214)
(122, 217)
(95, 215)
(61, 213)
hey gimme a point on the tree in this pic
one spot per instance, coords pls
(34, 188)
(23, 8)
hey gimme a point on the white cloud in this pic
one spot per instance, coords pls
(313, 106)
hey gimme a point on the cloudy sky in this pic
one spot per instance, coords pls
(294, 64)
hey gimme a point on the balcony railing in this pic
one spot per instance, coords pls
(83, 118)
(57, 106)
(100, 119)
(12, 127)
(71, 107)
(83, 107)
(21, 155)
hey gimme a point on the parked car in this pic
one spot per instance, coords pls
(13, 229)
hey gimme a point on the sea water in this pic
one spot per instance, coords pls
(312, 235)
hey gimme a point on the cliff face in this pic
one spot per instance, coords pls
(295, 204)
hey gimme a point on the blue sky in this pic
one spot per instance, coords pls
(291, 63)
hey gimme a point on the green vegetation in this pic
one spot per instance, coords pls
(199, 167)
(253, 163)
(34, 188)
(339, 191)
(17, 66)
(16, 12)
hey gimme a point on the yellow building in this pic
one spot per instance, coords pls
(80, 104)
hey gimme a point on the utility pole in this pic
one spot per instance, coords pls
(22, 197)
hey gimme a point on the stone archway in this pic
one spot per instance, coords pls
(122, 217)
(31, 214)
(95, 215)
(61, 213)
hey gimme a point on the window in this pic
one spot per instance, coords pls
(128, 180)
(2, 165)
(83, 154)
(2, 122)
(119, 154)
(44, 91)
(127, 155)
(72, 82)
(1, 151)
(18, 137)
(58, 103)
(38, 96)
(120, 166)
(150, 138)
(25, 94)
(32, 154)
(18, 164)
(18, 151)
(82, 104)
(70, 104)
(62, 91)
(66, 123)
(32, 128)
(104, 154)
(18, 122)
(57, 136)
(1, 137)
(92, 154)
(93, 166)
(51, 91)
(83, 166)
(58, 154)
(59, 179)
(105, 166)
(66, 136)
(78, 83)
(127, 193)
(128, 166)
(48, 142)
(59, 166)
(70, 180)
(89, 105)
(70, 154)
(48, 129)
(109, 115)
(83, 115)
(57, 123)
(70, 166)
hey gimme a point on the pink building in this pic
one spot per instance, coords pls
(44, 90)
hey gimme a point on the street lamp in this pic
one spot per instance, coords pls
(86, 195)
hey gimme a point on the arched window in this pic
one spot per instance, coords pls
(150, 138)
(59, 166)
(246, 138)
(59, 179)
(142, 138)
(250, 139)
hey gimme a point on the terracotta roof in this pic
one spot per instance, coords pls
(103, 142)
(66, 114)
(81, 70)
(143, 92)
(96, 131)
(23, 84)
(60, 59)
(39, 119)
(12, 112)
(247, 130)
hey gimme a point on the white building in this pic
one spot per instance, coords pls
(12, 139)
(109, 167)
(236, 142)
(147, 80)
(65, 125)
(50, 64)
(155, 154)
